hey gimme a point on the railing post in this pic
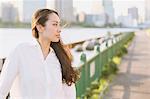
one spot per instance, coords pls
(83, 84)
(98, 61)
(83, 57)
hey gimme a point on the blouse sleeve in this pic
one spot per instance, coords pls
(8, 74)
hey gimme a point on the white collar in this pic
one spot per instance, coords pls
(36, 43)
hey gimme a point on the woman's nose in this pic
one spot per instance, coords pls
(59, 30)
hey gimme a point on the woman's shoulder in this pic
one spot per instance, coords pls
(24, 45)
(17, 49)
(21, 47)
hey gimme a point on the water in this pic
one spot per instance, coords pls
(11, 37)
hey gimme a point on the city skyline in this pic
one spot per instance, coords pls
(123, 5)
(97, 12)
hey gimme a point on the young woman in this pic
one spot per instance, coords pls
(40, 69)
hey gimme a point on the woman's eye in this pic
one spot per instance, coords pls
(55, 24)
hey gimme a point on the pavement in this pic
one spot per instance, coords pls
(133, 79)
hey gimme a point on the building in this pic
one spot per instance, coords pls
(109, 11)
(126, 21)
(81, 17)
(133, 12)
(9, 13)
(26, 8)
(65, 10)
(96, 20)
(97, 7)
(0, 10)
(147, 10)
(50, 4)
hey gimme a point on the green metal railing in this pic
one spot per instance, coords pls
(92, 69)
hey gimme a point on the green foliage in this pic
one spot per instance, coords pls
(123, 50)
(116, 60)
(109, 69)
(96, 88)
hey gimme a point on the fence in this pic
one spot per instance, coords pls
(92, 69)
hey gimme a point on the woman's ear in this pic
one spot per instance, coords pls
(40, 28)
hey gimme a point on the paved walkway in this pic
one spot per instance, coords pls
(133, 79)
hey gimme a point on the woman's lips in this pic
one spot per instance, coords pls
(58, 36)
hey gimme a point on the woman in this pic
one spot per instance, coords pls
(40, 69)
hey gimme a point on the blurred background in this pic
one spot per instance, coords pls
(79, 13)
(98, 33)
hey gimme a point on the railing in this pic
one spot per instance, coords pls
(92, 69)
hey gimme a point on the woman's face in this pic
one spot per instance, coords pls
(52, 28)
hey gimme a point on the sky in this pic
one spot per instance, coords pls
(120, 6)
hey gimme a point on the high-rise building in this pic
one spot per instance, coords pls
(133, 12)
(125, 21)
(8, 12)
(96, 20)
(0, 10)
(97, 7)
(65, 9)
(50, 4)
(147, 10)
(26, 8)
(109, 11)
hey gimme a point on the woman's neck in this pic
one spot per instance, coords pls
(45, 46)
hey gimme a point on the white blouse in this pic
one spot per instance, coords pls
(27, 75)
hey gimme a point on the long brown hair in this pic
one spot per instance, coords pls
(69, 75)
